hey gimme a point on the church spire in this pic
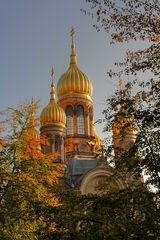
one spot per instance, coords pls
(73, 56)
(52, 85)
(32, 113)
(32, 118)
(121, 95)
(32, 124)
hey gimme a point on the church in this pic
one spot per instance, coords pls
(68, 125)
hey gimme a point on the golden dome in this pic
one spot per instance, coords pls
(74, 81)
(52, 113)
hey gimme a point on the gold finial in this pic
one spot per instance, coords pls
(32, 108)
(52, 84)
(33, 123)
(32, 113)
(73, 50)
(52, 74)
(120, 83)
(72, 32)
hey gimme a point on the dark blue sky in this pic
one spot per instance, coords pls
(34, 35)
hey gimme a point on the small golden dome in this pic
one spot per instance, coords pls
(123, 122)
(74, 81)
(52, 113)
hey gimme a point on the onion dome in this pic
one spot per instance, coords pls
(123, 126)
(52, 113)
(74, 81)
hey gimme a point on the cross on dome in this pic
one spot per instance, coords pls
(72, 32)
(120, 83)
(73, 56)
(52, 85)
(52, 74)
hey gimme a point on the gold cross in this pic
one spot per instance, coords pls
(72, 32)
(52, 73)
(121, 91)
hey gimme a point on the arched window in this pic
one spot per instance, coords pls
(48, 143)
(69, 122)
(80, 120)
(57, 144)
(53, 147)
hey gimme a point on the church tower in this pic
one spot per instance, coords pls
(68, 126)
(53, 125)
(74, 92)
(123, 128)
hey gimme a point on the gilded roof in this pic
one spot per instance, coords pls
(52, 113)
(74, 81)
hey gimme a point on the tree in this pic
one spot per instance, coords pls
(27, 179)
(122, 215)
(137, 20)
(132, 20)
(143, 106)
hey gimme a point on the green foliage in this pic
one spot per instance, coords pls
(136, 20)
(127, 214)
(143, 104)
(27, 179)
